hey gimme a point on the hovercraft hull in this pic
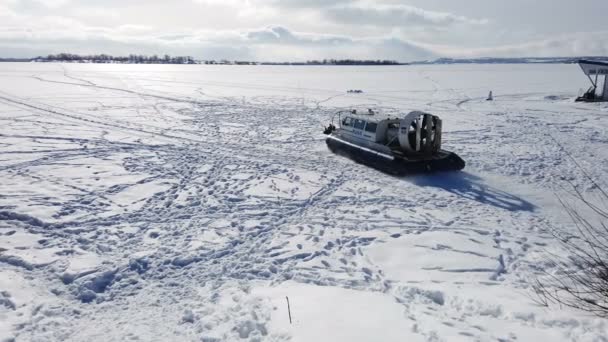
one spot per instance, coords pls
(592, 100)
(395, 164)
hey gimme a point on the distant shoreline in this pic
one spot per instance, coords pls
(140, 59)
(167, 59)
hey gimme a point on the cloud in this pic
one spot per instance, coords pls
(305, 3)
(275, 43)
(281, 35)
(52, 3)
(242, 8)
(566, 45)
(23, 37)
(357, 12)
(349, 12)
(275, 34)
(24, 34)
(278, 43)
(39, 3)
(394, 16)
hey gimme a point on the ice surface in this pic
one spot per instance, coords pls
(163, 203)
(320, 313)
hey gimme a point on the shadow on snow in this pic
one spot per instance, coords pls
(472, 187)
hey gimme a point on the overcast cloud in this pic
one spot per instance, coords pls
(273, 30)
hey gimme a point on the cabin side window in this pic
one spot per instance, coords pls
(359, 124)
(371, 127)
(347, 122)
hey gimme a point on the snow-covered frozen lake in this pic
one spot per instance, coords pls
(158, 203)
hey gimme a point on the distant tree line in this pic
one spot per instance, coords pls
(513, 60)
(15, 59)
(353, 62)
(103, 58)
(341, 62)
(167, 59)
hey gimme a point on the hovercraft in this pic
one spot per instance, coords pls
(394, 145)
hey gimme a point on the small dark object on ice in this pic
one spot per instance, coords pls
(288, 309)
(329, 129)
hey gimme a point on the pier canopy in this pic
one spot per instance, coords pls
(597, 72)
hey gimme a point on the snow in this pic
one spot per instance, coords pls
(187, 202)
(321, 313)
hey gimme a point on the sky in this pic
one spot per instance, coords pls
(297, 30)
